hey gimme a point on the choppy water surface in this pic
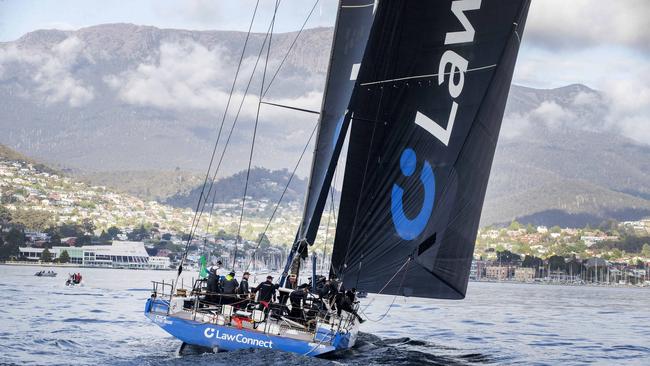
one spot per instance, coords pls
(44, 322)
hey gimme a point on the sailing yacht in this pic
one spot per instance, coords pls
(420, 87)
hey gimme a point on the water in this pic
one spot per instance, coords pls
(46, 323)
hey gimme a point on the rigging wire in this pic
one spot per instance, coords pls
(408, 260)
(203, 197)
(257, 118)
(197, 217)
(286, 187)
(200, 213)
(290, 48)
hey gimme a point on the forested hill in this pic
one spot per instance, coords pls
(263, 184)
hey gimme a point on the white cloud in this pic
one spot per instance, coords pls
(548, 113)
(183, 76)
(55, 80)
(629, 105)
(623, 107)
(51, 71)
(585, 23)
(189, 76)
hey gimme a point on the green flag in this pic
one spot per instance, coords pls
(203, 272)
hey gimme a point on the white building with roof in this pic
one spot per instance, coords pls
(120, 254)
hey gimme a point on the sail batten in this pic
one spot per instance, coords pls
(435, 76)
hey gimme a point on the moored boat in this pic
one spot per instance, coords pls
(45, 274)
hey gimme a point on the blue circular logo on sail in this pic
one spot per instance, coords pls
(406, 228)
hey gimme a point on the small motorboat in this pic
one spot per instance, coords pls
(45, 274)
(73, 279)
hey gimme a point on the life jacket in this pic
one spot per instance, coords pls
(229, 285)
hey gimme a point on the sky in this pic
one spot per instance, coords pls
(603, 44)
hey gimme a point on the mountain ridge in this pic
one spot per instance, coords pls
(558, 155)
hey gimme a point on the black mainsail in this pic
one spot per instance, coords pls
(353, 23)
(425, 120)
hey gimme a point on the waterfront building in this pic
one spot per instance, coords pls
(158, 262)
(496, 272)
(120, 254)
(524, 274)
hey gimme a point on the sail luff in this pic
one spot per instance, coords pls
(351, 31)
(354, 19)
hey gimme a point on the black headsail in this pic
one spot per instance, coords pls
(426, 117)
(353, 23)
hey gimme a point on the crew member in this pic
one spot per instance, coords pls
(345, 301)
(297, 299)
(213, 281)
(243, 285)
(230, 284)
(266, 291)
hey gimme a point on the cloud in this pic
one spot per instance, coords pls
(547, 114)
(188, 76)
(183, 76)
(587, 23)
(629, 106)
(50, 71)
(623, 107)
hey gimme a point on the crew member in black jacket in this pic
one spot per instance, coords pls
(266, 290)
(297, 299)
(243, 285)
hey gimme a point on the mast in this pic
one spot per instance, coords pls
(427, 113)
(352, 28)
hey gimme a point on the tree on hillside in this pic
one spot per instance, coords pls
(67, 230)
(64, 257)
(574, 267)
(8, 251)
(104, 236)
(645, 250)
(5, 217)
(263, 241)
(15, 237)
(88, 226)
(530, 261)
(556, 263)
(507, 257)
(555, 229)
(55, 239)
(32, 219)
(113, 232)
(524, 248)
(639, 264)
(530, 229)
(46, 256)
(608, 225)
(223, 235)
(139, 234)
(514, 225)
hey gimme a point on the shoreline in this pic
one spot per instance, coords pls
(541, 283)
(73, 265)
